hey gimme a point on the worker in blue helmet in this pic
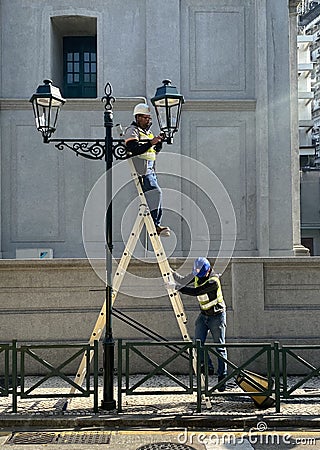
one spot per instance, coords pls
(207, 288)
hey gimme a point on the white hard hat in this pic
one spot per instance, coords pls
(141, 108)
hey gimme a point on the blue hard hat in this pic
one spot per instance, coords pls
(200, 267)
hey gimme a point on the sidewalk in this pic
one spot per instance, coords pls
(159, 410)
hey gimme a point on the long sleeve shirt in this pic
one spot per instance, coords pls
(206, 285)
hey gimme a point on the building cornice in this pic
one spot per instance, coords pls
(127, 104)
(121, 104)
(84, 263)
(219, 105)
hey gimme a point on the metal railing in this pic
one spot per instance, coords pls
(176, 350)
(14, 378)
(286, 352)
(162, 358)
(5, 350)
(265, 390)
(258, 387)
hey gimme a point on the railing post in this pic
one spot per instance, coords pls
(14, 377)
(119, 375)
(191, 371)
(127, 365)
(199, 387)
(277, 375)
(95, 376)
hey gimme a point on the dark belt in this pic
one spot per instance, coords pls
(211, 312)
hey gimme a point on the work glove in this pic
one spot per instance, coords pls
(171, 285)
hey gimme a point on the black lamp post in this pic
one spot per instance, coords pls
(47, 102)
(108, 403)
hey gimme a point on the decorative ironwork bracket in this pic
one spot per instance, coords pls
(93, 148)
(96, 148)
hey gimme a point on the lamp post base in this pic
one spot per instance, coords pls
(108, 405)
(108, 402)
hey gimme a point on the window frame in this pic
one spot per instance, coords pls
(80, 66)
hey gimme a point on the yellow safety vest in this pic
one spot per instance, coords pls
(204, 301)
(150, 154)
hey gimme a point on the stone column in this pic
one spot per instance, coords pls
(262, 131)
(293, 58)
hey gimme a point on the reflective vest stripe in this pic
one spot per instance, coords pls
(150, 154)
(204, 300)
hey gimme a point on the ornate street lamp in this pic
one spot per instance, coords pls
(168, 102)
(47, 102)
(46, 105)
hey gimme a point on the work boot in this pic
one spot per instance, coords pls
(223, 386)
(163, 231)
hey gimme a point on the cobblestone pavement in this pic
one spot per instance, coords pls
(238, 405)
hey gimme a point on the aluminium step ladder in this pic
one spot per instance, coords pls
(143, 218)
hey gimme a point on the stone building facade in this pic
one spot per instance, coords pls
(230, 179)
(229, 60)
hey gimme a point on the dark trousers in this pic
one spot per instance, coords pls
(153, 195)
(217, 327)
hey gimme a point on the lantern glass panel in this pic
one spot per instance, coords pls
(162, 118)
(41, 118)
(174, 111)
(168, 116)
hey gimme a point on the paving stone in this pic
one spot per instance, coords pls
(155, 405)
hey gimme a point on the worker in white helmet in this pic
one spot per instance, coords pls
(141, 142)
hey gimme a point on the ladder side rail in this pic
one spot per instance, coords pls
(166, 273)
(127, 254)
